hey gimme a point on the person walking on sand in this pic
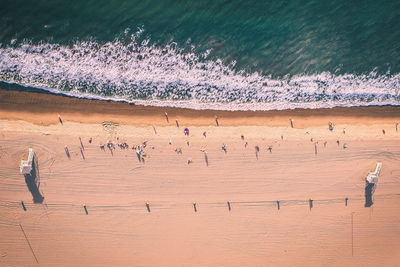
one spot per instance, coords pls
(205, 134)
(216, 120)
(224, 148)
(257, 148)
(166, 117)
(67, 152)
(138, 154)
(186, 131)
(330, 126)
(291, 123)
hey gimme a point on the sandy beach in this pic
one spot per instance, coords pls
(304, 162)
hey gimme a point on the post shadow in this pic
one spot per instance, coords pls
(32, 181)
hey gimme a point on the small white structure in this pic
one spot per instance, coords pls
(373, 177)
(27, 165)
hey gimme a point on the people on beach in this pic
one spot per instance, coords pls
(205, 134)
(330, 126)
(123, 145)
(257, 148)
(242, 137)
(216, 120)
(338, 142)
(139, 154)
(67, 152)
(110, 145)
(166, 117)
(90, 140)
(177, 123)
(224, 148)
(383, 131)
(291, 123)
(270, 149)
(186, 131)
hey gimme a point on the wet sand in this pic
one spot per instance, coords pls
(119, 231)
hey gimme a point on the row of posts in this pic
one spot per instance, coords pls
(310, 203)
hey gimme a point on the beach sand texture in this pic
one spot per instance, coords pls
(119, 230)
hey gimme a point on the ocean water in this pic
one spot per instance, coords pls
(231, 55)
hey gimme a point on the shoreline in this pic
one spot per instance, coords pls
(42, 108)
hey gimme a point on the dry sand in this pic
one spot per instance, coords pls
(119, 231)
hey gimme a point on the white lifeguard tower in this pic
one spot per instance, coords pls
(373, 177)
(27, 165)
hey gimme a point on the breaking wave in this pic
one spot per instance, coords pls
(145, 74)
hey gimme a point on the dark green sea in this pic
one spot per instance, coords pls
(256, 55)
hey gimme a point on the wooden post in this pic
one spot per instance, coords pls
(194, 207)
(86, 211)
(80, 140)
(148, 206)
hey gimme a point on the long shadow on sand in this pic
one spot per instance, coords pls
(32, 181)
(369, 191)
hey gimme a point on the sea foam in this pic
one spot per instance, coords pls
(169, 76)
